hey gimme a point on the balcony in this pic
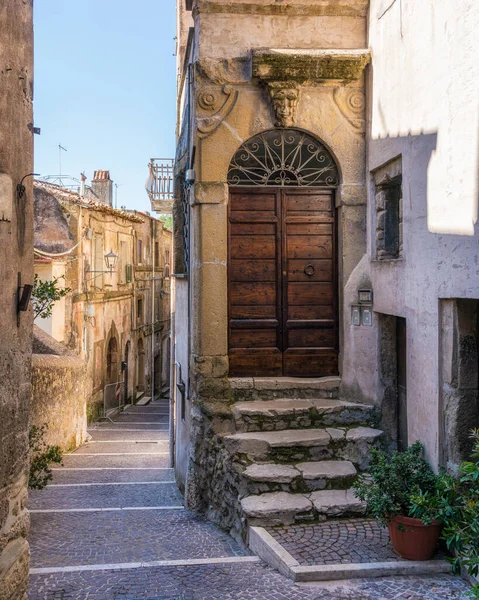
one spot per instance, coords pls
(159, 185)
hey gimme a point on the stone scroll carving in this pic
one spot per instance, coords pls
(213, 105)
(284, 96)
(351, 103)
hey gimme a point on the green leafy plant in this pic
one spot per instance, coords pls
(45, 294)
(455, 501)
(393, 480)
(167, 221)
(41, 457)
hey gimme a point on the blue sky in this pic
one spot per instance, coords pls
(105, 88)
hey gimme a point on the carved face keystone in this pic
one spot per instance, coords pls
(284, 99)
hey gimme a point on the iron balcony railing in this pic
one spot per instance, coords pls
(159, 185)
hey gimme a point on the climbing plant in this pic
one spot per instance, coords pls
(41, 457)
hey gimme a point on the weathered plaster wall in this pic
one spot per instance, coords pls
(423, 92)
(231, 29)
(16, 248)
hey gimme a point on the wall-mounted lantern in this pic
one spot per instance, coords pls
(110, 260)
(21, 187)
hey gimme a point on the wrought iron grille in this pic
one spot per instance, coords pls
(283, 157)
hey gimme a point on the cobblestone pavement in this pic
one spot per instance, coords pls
(107, 496)
(124, 434)
(98, 551)
(231, 582)
(127, 447)
(336, 541)
(64, 539)
(64, 476)
(117, 462)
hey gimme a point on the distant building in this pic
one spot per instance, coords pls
(111, 317)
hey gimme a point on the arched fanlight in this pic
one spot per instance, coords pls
(283, 157)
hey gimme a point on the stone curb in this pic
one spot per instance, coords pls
(266, 547)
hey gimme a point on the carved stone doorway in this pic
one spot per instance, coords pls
(282, 264)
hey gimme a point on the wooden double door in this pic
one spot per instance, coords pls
(282, 282)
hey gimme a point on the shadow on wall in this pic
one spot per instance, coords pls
(58, 392)
(369, 353)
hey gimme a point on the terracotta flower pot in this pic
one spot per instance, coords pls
(413, 540)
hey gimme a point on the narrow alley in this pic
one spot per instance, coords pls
(112, 526)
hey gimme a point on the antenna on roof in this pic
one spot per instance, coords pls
(60, 148)
(117, 185)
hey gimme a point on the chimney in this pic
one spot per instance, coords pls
(102, 187)
(82, 185)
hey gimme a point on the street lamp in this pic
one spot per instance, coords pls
(111, 259)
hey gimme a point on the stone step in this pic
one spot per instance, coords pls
(297, 413)
(304, 445)
(270, 388)
(303, 477)
(281, 508)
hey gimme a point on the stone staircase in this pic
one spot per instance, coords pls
(297, 449)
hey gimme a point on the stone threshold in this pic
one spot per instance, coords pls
(91, 510)
(274, 554)
(279, 383)
(187, 562)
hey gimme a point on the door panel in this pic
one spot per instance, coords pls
(310, 332)
(282, 283)
(254, 283)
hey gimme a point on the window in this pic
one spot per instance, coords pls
(123, 261)
(140, 252)
(157, 307)
(167, 263)
(139, 310)
(389, 213)
(98, 262)
(129, 275)
(181, 209)
(157, 254)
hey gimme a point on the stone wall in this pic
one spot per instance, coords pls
(59, 399)
(16, 243)
(59, 392)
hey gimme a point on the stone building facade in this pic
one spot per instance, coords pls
(325, 249)
(16, 270)
(110, 319)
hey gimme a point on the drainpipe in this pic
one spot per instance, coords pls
(153, 246)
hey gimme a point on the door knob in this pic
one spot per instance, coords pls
(284, 273)
(309, 270)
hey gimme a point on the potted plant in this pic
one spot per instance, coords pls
(390, 488)
(455, 502)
